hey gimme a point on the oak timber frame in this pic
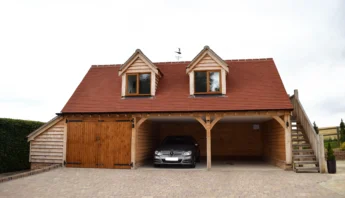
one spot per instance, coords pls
(204, 118)
(208, 120)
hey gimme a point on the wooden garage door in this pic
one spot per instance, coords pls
(99, 144)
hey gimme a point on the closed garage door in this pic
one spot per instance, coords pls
(99, 144)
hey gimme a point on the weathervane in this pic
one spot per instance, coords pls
(178, 56)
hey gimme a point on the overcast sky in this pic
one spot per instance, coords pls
(46, 47)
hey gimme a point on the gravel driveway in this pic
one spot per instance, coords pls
(74, 182)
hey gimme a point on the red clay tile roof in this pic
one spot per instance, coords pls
(251, 85)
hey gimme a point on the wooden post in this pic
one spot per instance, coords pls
(133, 142)
(295, 93)
(322, 160)
(288, 145)
(64, 143)
(208, 138)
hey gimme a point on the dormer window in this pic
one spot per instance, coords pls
(207, 73)
(138, 84)
(139, 75)
(207, 82)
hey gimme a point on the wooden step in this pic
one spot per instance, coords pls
(306, 169)
(298, 140)
(304, 156)
(302, 150)
(297, 135)
(303, 145)
(306, 162)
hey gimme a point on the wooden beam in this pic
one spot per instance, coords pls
(133, 143)
(139, 122)
(202, 122)
(208, 143)
(280, 121)
(214, 122)
(288, 143)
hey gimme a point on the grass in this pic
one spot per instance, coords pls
(334, 143)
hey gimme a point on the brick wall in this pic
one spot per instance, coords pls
(339, 155)
(35, 165)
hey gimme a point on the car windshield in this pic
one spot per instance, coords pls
(178, 140)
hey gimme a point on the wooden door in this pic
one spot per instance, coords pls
(115, 144)
(74, 145)
(94, 144)
(90, 141)
(123, 145)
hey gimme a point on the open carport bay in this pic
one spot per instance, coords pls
(235, 141)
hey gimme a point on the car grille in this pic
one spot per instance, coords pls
(177, 162)
(175, 152)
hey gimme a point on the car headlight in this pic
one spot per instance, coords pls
(158, 153)
(187, 153)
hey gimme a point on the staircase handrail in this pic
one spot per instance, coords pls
(315, 140)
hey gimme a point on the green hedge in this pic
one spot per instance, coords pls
(14, 147)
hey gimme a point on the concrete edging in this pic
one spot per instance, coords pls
(31, 172)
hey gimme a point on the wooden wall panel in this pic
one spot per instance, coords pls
(207, 61)
(274, 142)
(147, 142)
(48, 146)
(228, 139)
(138, 66)
(236, 139)
(194, 129)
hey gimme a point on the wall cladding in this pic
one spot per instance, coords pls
(147, 142)
(228, 139)
(48, 146)
(274, 143)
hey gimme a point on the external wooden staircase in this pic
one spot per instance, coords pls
(307, 147)
(304, 159)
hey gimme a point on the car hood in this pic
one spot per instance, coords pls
(176, 147)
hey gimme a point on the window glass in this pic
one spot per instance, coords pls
(214, 84)
(132, 84)
(144, 83)
(200, 81)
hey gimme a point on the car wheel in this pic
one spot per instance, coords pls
(193, 163)
(156, 165)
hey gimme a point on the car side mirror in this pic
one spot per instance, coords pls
(196, 145)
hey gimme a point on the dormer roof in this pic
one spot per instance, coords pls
(138, 54)
(204, 52)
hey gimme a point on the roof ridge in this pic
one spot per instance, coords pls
(249, 59)
(184, 62)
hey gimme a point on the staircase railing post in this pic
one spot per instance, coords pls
(322, 160)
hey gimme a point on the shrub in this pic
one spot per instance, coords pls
(342, 131)
(330, 153)
(342, 147)
(14, 147)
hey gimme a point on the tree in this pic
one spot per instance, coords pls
(316, 128)
(342, 131)
(330, 153)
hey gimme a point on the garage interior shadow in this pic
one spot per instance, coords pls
(236, 143)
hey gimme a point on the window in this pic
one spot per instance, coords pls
(207, 82)
(139, 84)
